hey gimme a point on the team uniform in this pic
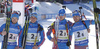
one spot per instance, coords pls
(15, 30)
(62, 38)
(31, 35)
(79, 29)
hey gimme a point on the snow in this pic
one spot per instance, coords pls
(45, 8)
(91, 5)
(98, 4)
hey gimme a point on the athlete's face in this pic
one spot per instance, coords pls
(14, 20)
(33, 19)
(62, 17)
(76, 18)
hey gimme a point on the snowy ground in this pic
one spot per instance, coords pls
(70, 7)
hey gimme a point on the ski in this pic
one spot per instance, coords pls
(26, 28)
(7, 30)
(25, 31)
(96, 24)
(55, 33)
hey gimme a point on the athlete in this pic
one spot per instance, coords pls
(34, 30)
(80, 29)
(62, 38)
(15, 31)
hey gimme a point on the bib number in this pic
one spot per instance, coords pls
(81, 35)
(12, 37)
(62, 34)
(31, 37)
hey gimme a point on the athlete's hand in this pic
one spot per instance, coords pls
(20, 48)
(53, 39)
(35, 47)
(3, 32)
(16, 47)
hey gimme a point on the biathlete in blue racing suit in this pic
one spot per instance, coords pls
(62, 37)
(32, 33)
(80, 29)
(15, 31)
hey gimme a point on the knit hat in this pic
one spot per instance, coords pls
(15, 15)
(61, 12)
(34, 14)
(76, 14)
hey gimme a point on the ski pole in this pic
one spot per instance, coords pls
(25, 30)
(6, 29)
(56, 31)
(96, 24)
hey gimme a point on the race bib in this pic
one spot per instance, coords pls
(62, 34)
(81, 35)
(31, 37)
(12, 37)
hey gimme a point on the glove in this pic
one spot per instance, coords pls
(68, 43)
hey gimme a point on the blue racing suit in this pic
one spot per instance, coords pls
(80, 33)
(31, 35)
(62, 34)
(15, 31)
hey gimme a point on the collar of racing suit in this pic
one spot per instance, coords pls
(14, 25)
(78, 21)
(33, 24)
(62, 21)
